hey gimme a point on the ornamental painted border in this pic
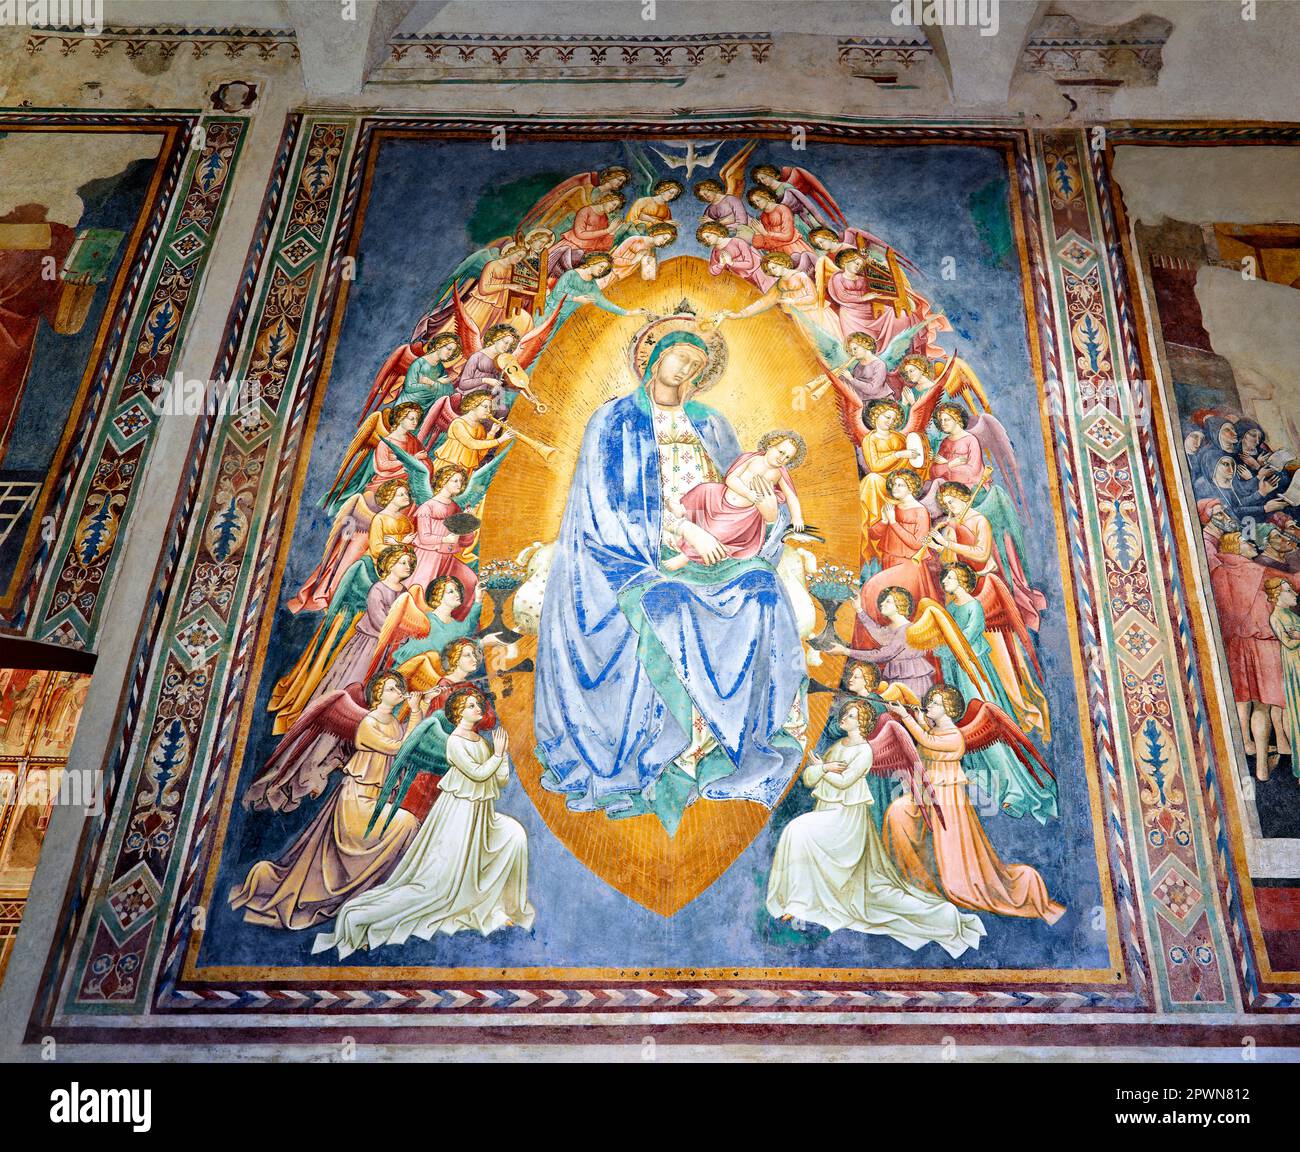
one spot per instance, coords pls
(70, 575)
(114, 959)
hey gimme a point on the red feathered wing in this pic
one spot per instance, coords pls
(983, 725)
(285, 782)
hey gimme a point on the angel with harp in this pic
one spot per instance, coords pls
(953, 857)
(830, 866)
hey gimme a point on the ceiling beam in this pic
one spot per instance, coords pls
(341, 44)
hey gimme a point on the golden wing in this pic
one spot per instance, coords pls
(363, 443)
(407, 619)
(732, 174)
(422, 672)
(933, 627)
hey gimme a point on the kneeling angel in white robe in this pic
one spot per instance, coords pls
(467, 868)
(831, 867)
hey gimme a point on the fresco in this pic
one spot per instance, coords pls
(591, 495)
(39, 712)
(698, 572)
(106, 222)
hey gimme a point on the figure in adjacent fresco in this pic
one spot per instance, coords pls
(334, 858)
(1285, 623)
(466, 869)
(831, 867)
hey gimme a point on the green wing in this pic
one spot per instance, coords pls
(477, 488)
(996, 505)
(425, 750)
(897, 348)
(417, 474)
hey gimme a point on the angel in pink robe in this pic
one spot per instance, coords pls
(859, 307)
(729, 253)
(736, 511)
(436, 548)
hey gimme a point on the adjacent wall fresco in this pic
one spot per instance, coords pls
(106, 224)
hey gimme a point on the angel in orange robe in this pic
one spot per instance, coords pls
(935, 837)
(899, 540)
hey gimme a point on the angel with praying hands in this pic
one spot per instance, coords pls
(830, 866)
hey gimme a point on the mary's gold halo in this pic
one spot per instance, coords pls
(683, 320)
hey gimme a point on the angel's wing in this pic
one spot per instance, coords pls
(894, 754)
(804, 181)
(353, 519)
(358, 453)
(644, 173)
(849, 404)
(477, 487)
(892, 749)
(922, 410)
(417, 474)
(466, 330)
(899, 346)
(934, 627)
(993, 438)
(532, 343)
(407, 619)
(389, 378)
(732, 173)
(560, 202)
(1001, 613)
(983, 725)
(290, 776)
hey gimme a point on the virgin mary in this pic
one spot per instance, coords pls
(654, 688)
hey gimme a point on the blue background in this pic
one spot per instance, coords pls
(930, 202)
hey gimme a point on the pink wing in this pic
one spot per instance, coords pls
(923, 409)
(983, 725)
(532, 343)
(850, 408)
(993, 438)
(562, 191)
(393, 371)
(290, 774)
(892, 749)
(804, 181)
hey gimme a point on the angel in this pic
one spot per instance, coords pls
(557, 209)
(369, 460)
(416, 624)
(581, 285)
(637, 253)
(1016, 695)
(495, 360)
(862, 680)
(885, 440)
(652, 208)
(728, 253)
(830, 866)
(856, 301)
(952, 856)
(774, 228)
(348, 542)
(870, 373)
(412, 780)
(414, 373)
(793, 292)
(966, 533)
(339, 652)
(801, 192)
(594, 230)
(722, 197)
(437, 537)
(959, 381)
(466, 869)
(907, 632)
(334, 858)
(897, 542)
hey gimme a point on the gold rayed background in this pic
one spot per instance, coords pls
(586, 365)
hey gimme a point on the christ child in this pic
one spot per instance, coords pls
(736, 511)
